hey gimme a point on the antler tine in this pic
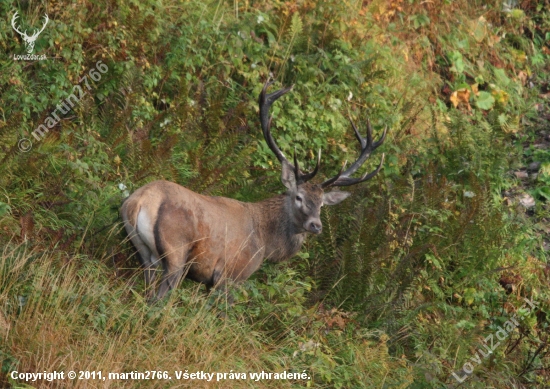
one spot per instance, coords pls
(357, 135)
(382, 138)
(332, 180)
(296, 167)
(308, 176)
(265, 102)
(369, 132)
(367, 147)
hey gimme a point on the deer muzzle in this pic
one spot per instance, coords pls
(314, 226)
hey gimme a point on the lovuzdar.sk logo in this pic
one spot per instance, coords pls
(29, 40)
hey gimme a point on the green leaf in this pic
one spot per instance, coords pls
(543, 191)
(433, 260)
(501, 77)
(458, 63)
(469, 295)
(4, 209)
(517, 14)
(419, 20)
(467, 325)
(485, 101)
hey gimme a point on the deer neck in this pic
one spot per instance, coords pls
(280, 237)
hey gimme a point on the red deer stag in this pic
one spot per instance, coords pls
(216, 238)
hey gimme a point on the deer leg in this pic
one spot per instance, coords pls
(219, 282)
(150, 267)
(170, 280)
(146, 249)
(148, 260)
(150, 273)
(174, 264)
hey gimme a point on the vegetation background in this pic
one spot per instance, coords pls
(410, 275)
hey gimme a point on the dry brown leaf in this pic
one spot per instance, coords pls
(522, 77)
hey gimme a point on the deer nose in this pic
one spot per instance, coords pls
(315, 227)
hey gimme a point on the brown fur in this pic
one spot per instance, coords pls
(215, 238)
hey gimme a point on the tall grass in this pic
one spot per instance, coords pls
(73, 315)
(61, 313)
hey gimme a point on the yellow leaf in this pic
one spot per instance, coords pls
(461, 96)
(454, 99)
(500, 96)
(519, 55)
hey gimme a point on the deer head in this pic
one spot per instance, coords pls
(306, 199)
(29, 40)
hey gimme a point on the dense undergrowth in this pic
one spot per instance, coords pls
(410, 276)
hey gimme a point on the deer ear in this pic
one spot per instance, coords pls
(334, 197)
(288, 177)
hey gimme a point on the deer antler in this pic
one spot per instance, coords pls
(265, 102)
(367, 147)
